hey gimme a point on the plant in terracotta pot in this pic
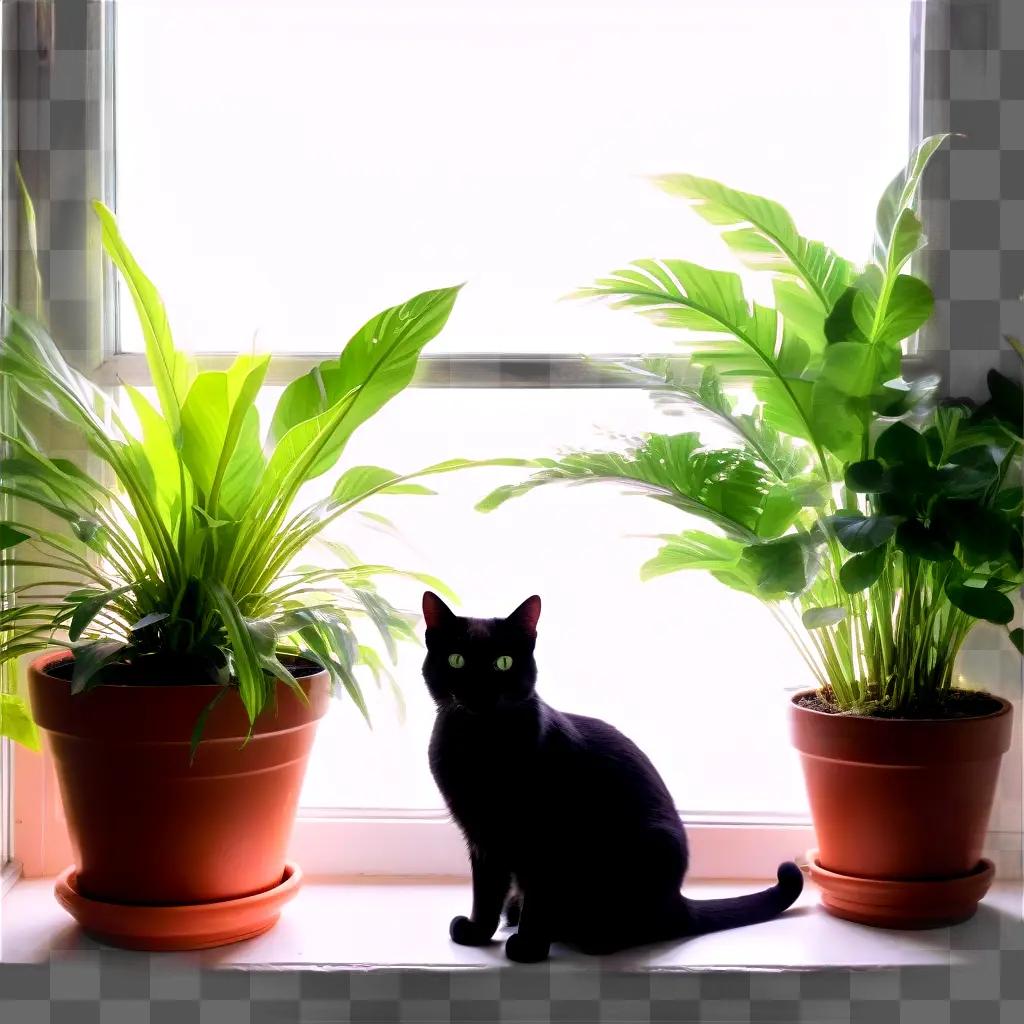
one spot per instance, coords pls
(878, 525)
(195, 651)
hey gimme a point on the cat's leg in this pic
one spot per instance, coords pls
(532, 942)
(491, 883)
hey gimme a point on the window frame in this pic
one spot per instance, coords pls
(383, 841)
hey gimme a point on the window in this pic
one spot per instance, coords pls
(352, 154)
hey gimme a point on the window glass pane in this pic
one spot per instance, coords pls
(696, 674)
(693, 672)
(291, 168)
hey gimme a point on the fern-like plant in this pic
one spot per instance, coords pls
(189, 567)
(876, 526)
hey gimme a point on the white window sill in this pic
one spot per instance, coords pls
(402, 923)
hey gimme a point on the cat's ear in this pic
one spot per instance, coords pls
(526, 615)
(435, 612)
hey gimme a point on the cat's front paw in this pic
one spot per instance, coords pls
(526, 951)
(468, 933)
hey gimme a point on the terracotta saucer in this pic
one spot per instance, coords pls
(191, 926)
(893, 903)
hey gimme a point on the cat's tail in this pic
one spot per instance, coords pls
(705, 916)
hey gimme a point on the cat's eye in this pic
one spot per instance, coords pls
(456, 660)
(504, 663)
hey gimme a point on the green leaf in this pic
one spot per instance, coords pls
(172, 371)
(817, 618)
(866, 477)
(786, 565)
(212, 422)
(853, 368)
(907, 238)
(980, 602)
(908, 308)
(720, 556)
(859, 533)
(32, 238)
(200, 727)
(901, 443)
(744, 342)
(727, 487)
(16, 722)
(9, 536)
(360, 481)
(841, 325)
(1017, 638)
(88, 608)
(90, 659)
(252, 683)
(763, 235)
(376, 364)
(892, 232)
(860, 572)
(924, 541)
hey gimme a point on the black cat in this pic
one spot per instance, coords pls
(570, 828)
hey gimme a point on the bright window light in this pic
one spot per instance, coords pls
(288, 169)
(289, 180)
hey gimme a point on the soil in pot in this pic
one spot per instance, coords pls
(149, 827)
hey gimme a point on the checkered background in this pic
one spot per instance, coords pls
(972, 58)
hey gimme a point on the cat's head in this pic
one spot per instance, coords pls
(480, 664)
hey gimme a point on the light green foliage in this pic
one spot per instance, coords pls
(190, 564)
(877, 527)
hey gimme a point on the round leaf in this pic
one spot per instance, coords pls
(816, 618)
(858, 533)
(860, 571)
(981, 602)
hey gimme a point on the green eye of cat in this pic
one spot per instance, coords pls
(504, 663)
(456, 660)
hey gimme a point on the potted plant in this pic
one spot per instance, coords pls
(877, 525)
(195, 652)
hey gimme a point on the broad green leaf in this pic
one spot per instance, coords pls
(907, 238)
(376, 364)
(156, 458)
(858, 533)
(787, 565)
(909, 305)
(763, 235)
(818, 618)
(1017, 639)
(10, 537)
(726, 487)
(860, 572)
(981, 602)
(900, 195)
(213, 418)
(721, 556)
(854, 368)
(16, 722)
(923, 541)
(360, 481)
(744, 342)
(172, 371)
(866, 477)
(901, 443)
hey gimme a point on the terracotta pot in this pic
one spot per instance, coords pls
(901, 800)
(149, 828)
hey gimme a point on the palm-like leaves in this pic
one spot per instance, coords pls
(822, 363)
(190, 564)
